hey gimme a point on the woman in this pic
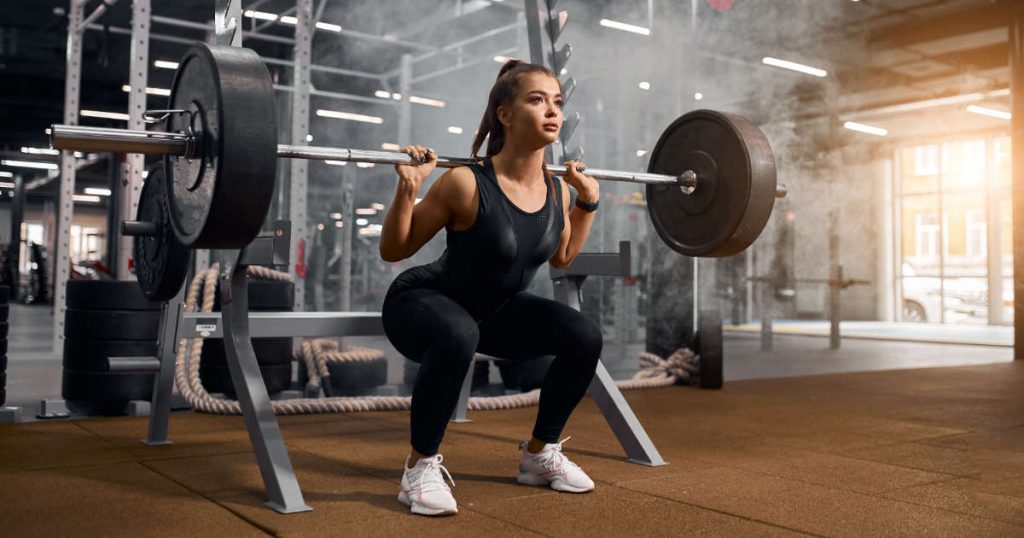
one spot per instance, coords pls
(504, 218)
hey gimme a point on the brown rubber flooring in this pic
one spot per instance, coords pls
(924, 452)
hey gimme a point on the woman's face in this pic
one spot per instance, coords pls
(534, 117)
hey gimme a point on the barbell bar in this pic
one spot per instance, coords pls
(102, 139)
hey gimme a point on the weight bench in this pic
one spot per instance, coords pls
(235, 324)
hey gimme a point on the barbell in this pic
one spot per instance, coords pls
(711, 180)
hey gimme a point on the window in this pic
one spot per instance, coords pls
(926, 235)
(975, 228)
(926, 160)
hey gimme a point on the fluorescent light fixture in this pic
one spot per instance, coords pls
(454, 129)
(349, 116)
(336, 163)
(641, 152)
(366, 165)
(97, 191)
(362, 222)
(309, 138)
(262, 15)
(39, 151)
(151, 91)
(320, 226)
(30, 164)
(338, 224)
(47, 130)
(107, 115)
(382, 94)
(366, 211)
(329, 27)
(501, 59)
(608, 23)
(644, 85)
(390, 147)
(336, 216)
(425, 101)
(4, 173)
(288, 19)
(793, 66)
(164, 64)
(991, 112)
(867, 129)
(378, 206)
(396, 96)
(698, 96)
(85, 198)
(6, 184)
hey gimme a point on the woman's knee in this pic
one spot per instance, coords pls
(588, 339)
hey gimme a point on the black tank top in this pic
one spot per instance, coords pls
(498, 256)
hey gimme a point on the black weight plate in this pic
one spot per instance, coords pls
(217, 378)
(4, 312)
(91, 355)
(161, 262)
(106, 386)
(358, 374)
(3, 346)
(268, 351)
(5, 294)
(735, 185)
(265, 295)
(3, 363)
(3, 396)
(111, 324)
(220, 198)
(108, 295)
(3, 329)
(709, 348)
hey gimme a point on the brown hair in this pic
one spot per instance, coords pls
(502, 93)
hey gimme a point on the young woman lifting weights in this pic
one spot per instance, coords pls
(504, 216)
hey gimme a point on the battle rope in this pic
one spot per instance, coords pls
(316, 353)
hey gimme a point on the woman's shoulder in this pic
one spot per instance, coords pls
(458, 183)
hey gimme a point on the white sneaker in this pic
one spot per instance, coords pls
(550, 467)
(423, 488)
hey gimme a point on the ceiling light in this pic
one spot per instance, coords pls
(362, 222)
(151, 91)
(608, 23)
(97, 191)
(454, 130)
(378, 206)
(390, 147)
(868, 129)
(309, 138)
(366, 211)
(336, 216)
(366, 165)
(329, 27)
(262, 15)
(564, 71)
(382, 94)
(336, 163)
(348, 116)
(85, 198)
(338, 224)
(30, 164)
(39, 151)
(645, 85)
(288, 19)
(6, 184)
(320, 226)
(641, 152)
(107, 115)
(698, 96)
(5, 173)
(164, 64)
(991, 112)
(396, 96)
(793, 66)
(501, 59)
(425, 101)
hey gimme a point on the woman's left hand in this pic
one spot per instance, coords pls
(587, 187)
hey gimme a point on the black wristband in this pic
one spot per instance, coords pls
(587, 206)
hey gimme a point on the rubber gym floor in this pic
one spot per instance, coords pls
(925, 452)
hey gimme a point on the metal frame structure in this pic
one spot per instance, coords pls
(299, 183)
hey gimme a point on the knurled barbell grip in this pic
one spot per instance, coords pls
(133, 228)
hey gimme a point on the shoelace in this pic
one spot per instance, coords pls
(436, 481)
(553, 457)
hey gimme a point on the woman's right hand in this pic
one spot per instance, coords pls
(411, 176)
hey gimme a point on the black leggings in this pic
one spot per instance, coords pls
(430, 328)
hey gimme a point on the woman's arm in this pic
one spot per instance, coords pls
(575, 234)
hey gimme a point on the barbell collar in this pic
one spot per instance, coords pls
(103, 139)
(136, 228)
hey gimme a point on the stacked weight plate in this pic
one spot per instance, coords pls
(274, 355)
(4, 312)
(107, 319)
